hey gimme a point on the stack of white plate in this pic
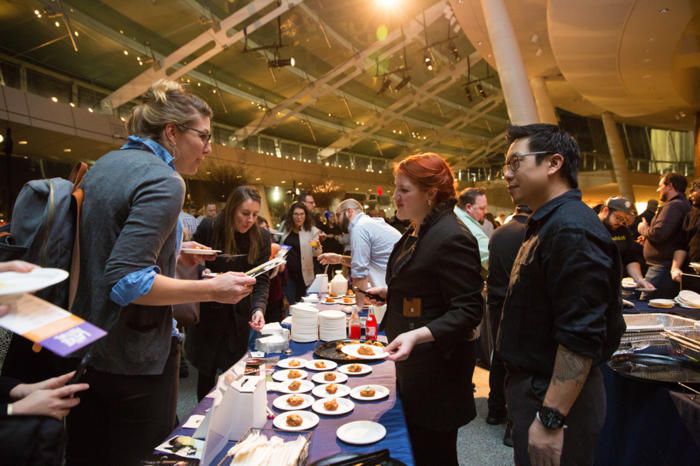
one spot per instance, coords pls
(687, 298)
(304, 322)
(331, 325)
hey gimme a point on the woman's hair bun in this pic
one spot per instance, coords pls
(160, 89)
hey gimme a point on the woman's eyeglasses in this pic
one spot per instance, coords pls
(205, 136)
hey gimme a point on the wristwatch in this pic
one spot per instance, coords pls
(550, 418)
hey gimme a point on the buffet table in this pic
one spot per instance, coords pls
(649, 423)
(324, 443)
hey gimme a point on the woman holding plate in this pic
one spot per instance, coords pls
(434, 304)
(221, 336)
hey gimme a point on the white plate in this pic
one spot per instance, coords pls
(361, 432)
(320, 391)
(629, 283)
(344, 406)
(329, 365)
(323, 301)
(200, 252)
(281, 402)
(283, 376)
(321, 377)
(351, 350)
(380, 392)
(309, 420)
(284, 363)
(365, 369)
(15, 283)
(662, 303)
(306, 386)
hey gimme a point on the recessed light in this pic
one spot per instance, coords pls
(54, 99)
(67, 149)
(23, 142)
(257, 179)
(57, 24)
(126, 52)
(664, 10)
(72, 104)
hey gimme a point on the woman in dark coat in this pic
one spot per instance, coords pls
(221, 336)
(434, 304)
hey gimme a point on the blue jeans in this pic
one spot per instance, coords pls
(660, 277)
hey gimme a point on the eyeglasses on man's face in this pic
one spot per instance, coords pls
(205, 136)
(513, 162)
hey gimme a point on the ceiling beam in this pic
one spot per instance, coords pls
(496, 142)
(341, 74)
(207, 45)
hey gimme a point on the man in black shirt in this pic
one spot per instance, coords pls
(503, 247)
(562, 315)
(614, 214)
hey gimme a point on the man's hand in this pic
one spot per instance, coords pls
(257, 321)
(329, 258)
(676, 274)
(400, 348)
(544, 445)
(17, 266)
(231, 287)
(190, 260)
(643, 227)
(645, 285)
(55, 403)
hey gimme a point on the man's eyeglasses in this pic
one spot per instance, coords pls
(205, 136)
(513, 162)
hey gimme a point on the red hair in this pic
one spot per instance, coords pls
(429, 170)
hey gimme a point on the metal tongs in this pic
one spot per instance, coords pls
(373, 296)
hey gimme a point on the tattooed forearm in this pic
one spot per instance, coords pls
(570, 366)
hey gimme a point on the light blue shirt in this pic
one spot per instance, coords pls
(478, 233)
(371, 242)
(139, 283)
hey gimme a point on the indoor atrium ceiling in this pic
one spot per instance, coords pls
(341, 40)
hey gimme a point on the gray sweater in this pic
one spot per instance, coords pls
(130, 213)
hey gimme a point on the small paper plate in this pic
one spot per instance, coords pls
(283, 376)
(289, 363)
(200, 252)
(325, 365)
(309, 420)
(16, 283)
(283, 387)
(662, 303)
(344, 406)
(320, 391)
(353, 350)
(380, 392)
(281, 402)
(364, 369)
(361, 432)
(321, 377)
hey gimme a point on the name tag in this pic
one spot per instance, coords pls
(412, 307)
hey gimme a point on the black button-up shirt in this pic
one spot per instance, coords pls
(564, 289)
(630, 251)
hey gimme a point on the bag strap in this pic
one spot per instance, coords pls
(78, 194)
(48, 224)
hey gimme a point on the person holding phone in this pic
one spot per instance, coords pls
(434, 305)
(221, 336)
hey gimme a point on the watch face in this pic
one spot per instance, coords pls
(551, 418)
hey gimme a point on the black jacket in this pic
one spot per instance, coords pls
(441, 268)
(221, 336)
(666, 233)
(691, 227)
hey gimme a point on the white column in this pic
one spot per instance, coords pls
(509, 63)
(545, 109)
(617, 154)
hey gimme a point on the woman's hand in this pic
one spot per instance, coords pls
(257, 321)
(190, 260)
(17, 266)
(24, 389)
(55, 403)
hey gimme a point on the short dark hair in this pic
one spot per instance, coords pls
(678, 181)
(302, 196)
(553, 139)
(469, 195)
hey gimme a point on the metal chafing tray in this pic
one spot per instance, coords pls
(656, 323)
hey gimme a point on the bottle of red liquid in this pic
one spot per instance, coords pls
(354, 326)
(371, 325)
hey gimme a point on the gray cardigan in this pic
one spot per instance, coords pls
(129, 219)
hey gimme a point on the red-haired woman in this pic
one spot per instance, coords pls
(434, 304)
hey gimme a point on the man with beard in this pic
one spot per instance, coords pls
(562, 316)
(371, 243)
(614, 214)
(664, 235)
(690, 250)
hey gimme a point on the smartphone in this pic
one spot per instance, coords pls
(373, 296)
(80, 370)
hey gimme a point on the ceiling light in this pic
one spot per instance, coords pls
(468, 91)
(386, 85)
(67, 149)
(57, 24)
(281, 62)
(662, 10)
(454, 50)
(257, 179)
(54, 99)
(21, 142)
(90, 109)
(387, 3)
(427, 59)
(480, 90)
(72, 104)
(403, 83)
(75, 33)
(126, 52)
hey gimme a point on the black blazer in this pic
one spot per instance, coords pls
(441, 268)
(221, 336)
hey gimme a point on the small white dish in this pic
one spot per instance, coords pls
(201, 252)
(380, 391)
(290, 363)
(283, 376)
(321, 377)
(305, 386)
(321, 392)
(364, 369)
(361, 432)
(16, 283)
(662, 303)
(353, 350)
(344, 406)
(321, 365)
(281, 402)
(309, 421)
